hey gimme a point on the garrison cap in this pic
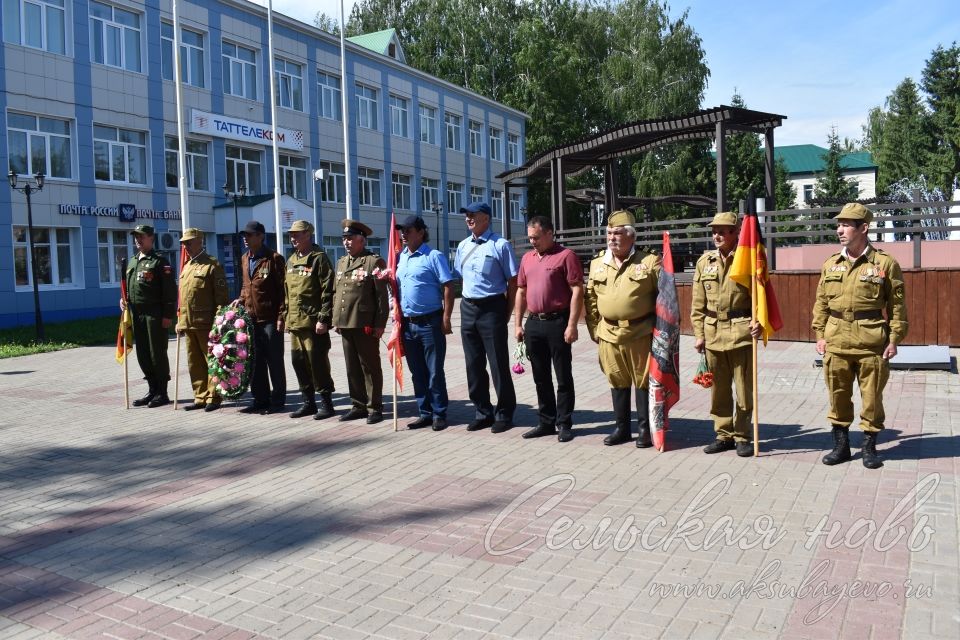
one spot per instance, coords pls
(855, 211)
(355, 228)
(253, 227)
(190, 234)
(145, 229)
(724, 219)
(621, 219)
(301, 225)
(411, 221)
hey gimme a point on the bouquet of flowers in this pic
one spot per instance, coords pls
(703, 378)
(520, 355)
(230, 351)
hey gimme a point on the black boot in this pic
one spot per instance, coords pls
(643, 419)
(145, 400)
(841, 447)
(621, 410)
(326, 406)
(308, 408)
(869, 451)
(161, 397)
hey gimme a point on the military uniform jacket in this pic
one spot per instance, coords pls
(621, 303)
(262, 293)
(203, 288)
(714, 296)
(150, 285)
(872, 282)
(360, 299)
(308, 289)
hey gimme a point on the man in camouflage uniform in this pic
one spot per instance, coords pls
(308, 295)
(360, 311)
(203, 288)
(720, 314)
(152, 297)
(621, 303)
(860, 317)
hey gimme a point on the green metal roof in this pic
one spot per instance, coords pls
(378, 41)
(808, 158)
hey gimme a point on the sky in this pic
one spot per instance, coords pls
(820, 63)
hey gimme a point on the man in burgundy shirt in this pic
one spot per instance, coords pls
(550, 287)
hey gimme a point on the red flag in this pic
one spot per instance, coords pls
(125, 330)
(749, 262)
(664, 351)
(395, 343)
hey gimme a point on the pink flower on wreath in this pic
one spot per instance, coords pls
(224, 387)
(241, 338)
(242, 354)
(234, 381)
(212, 335)
(218, 350)
(239, 324)
(214, 380)
(230, 315)
(238, 368)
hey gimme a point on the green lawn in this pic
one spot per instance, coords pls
(22, 341)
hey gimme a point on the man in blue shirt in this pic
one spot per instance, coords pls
(488, 267)
(426, 301)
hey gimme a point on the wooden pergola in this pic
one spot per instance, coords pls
(606, 147)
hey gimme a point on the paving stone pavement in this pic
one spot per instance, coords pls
(155, 523)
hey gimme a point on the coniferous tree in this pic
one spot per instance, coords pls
(831, 186)
(941, 83)
(907, 141)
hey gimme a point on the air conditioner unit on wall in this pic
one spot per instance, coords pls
(168, 240)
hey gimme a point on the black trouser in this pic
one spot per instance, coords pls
(483, 331)
(268, 358)
(150, 340)
(545, 345)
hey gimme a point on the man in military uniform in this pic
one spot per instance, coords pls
(203, 288)
(308, 295)
(720, 313)
(359, 315)
(859, 317)
(152, 297)
(621, 303)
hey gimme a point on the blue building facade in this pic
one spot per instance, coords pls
(88, 99)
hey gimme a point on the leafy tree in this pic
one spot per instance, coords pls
(785, 193)
(873, 131)
(907, 141)
(327, 23)
(745, 160)
(831, 185)
(941, 82)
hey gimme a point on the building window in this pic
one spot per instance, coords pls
(451, 251)
(114, 247)
(401, 191)
(808, 193)
(496, 144)
(198, 164)
(330, 99)
(115, 36)
(369, 186)
(293, 177)
(333, 247)
(454, 197)
(191, 55)
(496, 204)
(35, 23)
(54, 256)
(239, 71)
(429, 193)
(38, 144)
(516, 214)
(513, 149)
(428, 124)
(119, 155)
(399, 116)
(366, 107)
(453, 131)
(476, 138)
(243, 169)
(334, 185)
(288, 76)
(476, 194)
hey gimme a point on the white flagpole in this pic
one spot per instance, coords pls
(273, 118)
(181, 137)
(344, 104)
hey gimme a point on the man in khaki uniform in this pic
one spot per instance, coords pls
(621, 303)
(360, 311)
(307, 299)
(720, 314)
(860, 317)
(203, 288)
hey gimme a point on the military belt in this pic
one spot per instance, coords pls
(849, 316)
(623, 323)
(727, 315)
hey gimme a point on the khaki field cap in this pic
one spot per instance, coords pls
(621, 219)
(145, 229)
(301, 225)
(190, 234)
(854, 211)
(725, 219)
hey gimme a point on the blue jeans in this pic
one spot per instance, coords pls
(426, 347)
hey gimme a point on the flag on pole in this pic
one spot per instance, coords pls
(664, 351)
(749, 261)
(395, 343)
(184, 256)
(125, 330)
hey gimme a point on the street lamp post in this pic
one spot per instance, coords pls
(235, 196)
(438, 209)
(26, 190)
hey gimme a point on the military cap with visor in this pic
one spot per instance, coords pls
(724, 219)
(145, 229)
(301, 225)
(621, 218)
(355, 228)
(855, 211)
(191, 234)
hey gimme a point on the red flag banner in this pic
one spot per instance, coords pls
(749, 262)
(664, 351)
(395, 342)
(125, 330)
